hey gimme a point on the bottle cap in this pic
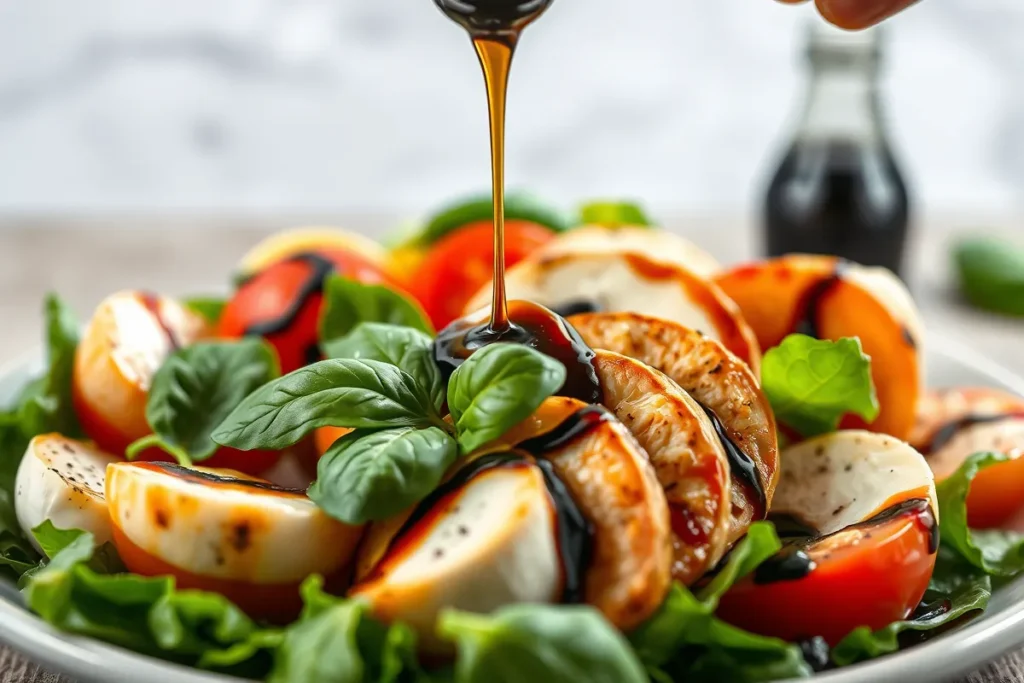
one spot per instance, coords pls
(829, 45)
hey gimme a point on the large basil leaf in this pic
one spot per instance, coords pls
(406, 347)
(331, 393)
(196, 388)
(812, 383)
(367, 477)
(539, 644)
(498, 387)
(348, 303)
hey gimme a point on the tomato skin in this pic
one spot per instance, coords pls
(274, 294)
(879, 576)
(276, 603)
(462, 262)
(996, 495)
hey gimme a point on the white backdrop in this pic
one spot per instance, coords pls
(377, 105)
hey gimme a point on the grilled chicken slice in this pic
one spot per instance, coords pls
(577, 282)
(831, 299)
(719, 382)
(687, 455)
(61, 480)
(489, 537)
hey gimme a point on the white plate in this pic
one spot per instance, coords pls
(999, 629)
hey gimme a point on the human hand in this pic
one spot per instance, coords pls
(854, 14)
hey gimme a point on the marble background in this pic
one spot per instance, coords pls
(377, 105)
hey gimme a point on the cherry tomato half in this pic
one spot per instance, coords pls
(462, 262)
(862, 576)
(282, 302)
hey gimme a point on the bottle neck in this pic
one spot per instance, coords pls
(842, 106)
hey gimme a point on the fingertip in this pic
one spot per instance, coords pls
(860, 14)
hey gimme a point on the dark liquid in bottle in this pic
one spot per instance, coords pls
(840, 198)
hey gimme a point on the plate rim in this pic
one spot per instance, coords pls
(947, 656)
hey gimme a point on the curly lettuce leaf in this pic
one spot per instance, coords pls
(147, 615)
(996, 552)
(685, 641)
(957, 589)
(812, 383)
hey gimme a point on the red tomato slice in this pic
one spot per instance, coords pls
(867, 575)
(282, 303)
(462, 262)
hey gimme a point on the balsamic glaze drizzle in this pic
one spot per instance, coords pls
(794, 561)
(210, 477)
(816, 653)
(320, 269)
(152, 303)
(574, 532)
(742, 465)
(530, 325)
(944, 434)
(577, 307)
(808, 311)
(789, 564)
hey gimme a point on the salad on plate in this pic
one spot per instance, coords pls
(669, 469)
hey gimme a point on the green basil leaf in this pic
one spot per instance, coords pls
(683, 618)
(369, 477)
(143, 614)
(15, 550)
(334, 641)
(614, 214)
(539, 644)
(210, 308)
(955, 583)
(45, 404)
(760, 543)
(331, 393)
(991, 274)
(348, 303)
(998, 553)
(498, 387)
(408, 348)
(196, 389)
(812, 383)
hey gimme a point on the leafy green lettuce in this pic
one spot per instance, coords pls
(997, 553)
(44, 405)
(812, 383)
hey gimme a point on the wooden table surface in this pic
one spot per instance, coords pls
(84, 260)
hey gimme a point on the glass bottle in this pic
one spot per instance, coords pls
(838, 190)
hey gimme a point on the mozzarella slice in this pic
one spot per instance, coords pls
(687, 455)
(718, 380)
(62, 480)
(656, 244)
(222, 524)
(623, 281)
(492, 549)
(489, 542)
(844, 478)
